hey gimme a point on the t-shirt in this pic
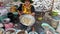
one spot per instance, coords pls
(33, 32)
(9, 25)
(3, 11)
(32, 8)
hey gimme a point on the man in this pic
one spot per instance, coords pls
(26, 8)
(3, 10)
(13, 14)
(33, 31)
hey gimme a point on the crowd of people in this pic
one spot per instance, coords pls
(10, 19)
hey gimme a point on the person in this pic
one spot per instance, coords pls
(33, 31)
(10, 16)
(48, 29)
(8, 24)
(3, 10)
(58, 28)
(13, 14)
(22, 32)
(26, 8)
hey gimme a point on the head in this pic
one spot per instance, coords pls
(54, 24)
(6, 20)
(1, 3)
(13, 9)
(10, 31)
(27, 2)
(21, 32)
(33, 29)
(45, 25)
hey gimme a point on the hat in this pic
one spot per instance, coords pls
(6, 19)
(46, 24)
(26, 0)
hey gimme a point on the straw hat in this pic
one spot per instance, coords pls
(26, 0)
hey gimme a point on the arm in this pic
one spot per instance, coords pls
(20, 9)
(33, 10)
(19, 13)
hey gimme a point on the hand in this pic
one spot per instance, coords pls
(33, 14)
(20, 13)
(48, 32)
(16, 25)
